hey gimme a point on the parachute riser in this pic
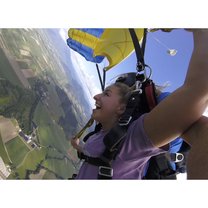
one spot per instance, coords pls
(102, 81)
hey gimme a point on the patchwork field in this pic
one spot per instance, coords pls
(38, 100)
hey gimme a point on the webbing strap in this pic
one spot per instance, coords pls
(104, 167)
(113, 138)
(138, 50)
(159, 168)
(144, 41)
(102, 82)
(132, 104)
(93, 160)
(150, 95)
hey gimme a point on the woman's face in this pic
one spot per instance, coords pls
(108, 105)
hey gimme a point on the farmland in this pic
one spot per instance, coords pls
(38, 95)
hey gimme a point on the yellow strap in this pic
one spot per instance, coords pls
(88, 124)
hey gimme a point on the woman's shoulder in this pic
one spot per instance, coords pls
(137, 124)
(137, 145)
(136, 130)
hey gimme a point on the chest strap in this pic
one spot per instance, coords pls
(105, 170)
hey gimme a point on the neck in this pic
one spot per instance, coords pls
(108, 125)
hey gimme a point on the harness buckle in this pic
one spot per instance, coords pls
(176, 157)
(105, 171)
(125, 121)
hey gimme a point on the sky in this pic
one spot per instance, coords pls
(166, 69)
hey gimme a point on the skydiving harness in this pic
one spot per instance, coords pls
(114, 139)
(142, 100)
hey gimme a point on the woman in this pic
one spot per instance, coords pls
(179, 114)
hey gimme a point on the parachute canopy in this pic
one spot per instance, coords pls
(96, 44)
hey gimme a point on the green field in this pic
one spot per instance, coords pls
(49, 175)
(54, 103)
(62, 168)
(49, 132)
(33, 159)
(53, 153)
(3, 153)
(32, 49)
(17, 150)
(5, 100)
(18, 103)
(6, 70)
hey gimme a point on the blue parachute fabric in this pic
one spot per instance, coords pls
(95, 32)
(86, 51)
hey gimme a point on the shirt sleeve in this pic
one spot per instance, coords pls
(137, 144)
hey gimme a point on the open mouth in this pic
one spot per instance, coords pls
(98, 107)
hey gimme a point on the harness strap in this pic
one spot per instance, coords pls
(181, 166)
(113, 138)
(159, 168)
(104, 166)
(150, 95)
(93, 160)
(97, 129)
(132, 104)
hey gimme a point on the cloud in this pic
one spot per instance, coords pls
(87, 75)
(64, 34)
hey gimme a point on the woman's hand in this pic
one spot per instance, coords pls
(75, 144)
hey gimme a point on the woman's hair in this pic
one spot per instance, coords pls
(124, 91)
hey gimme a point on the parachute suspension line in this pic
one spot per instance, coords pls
(104, 78)
(99, 75)
(170, 51)
(161, 43)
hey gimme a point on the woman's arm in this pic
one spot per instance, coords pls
(197, 136)
(181, 109)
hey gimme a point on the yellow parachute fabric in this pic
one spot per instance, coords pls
(115, 44)
(83, 38)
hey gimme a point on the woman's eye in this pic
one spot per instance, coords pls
(106, 93)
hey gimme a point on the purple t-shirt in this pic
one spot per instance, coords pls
(131, 160)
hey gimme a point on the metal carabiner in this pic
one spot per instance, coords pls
(138, 85)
